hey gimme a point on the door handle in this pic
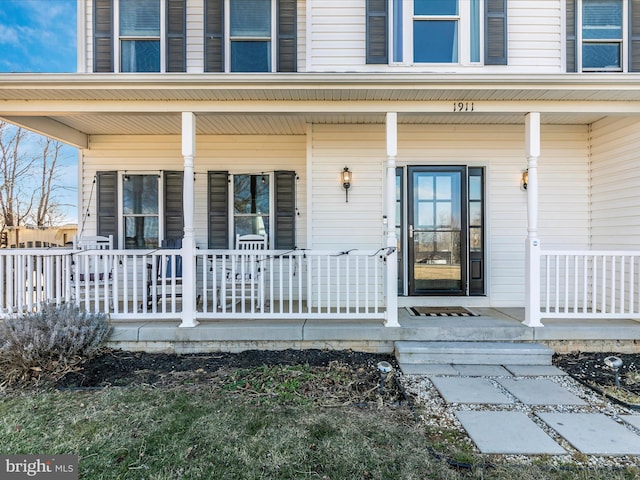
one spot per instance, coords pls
(410, 231)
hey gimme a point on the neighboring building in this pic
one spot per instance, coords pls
(206, 119)
(34, 237)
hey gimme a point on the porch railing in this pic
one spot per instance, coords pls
(589, 284)
(229, 283)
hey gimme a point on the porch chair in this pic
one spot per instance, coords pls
(90, 272)
(166, 273)
(246, 279)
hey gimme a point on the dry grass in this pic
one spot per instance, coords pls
(254, 423)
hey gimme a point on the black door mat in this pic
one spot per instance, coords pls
(442, 312)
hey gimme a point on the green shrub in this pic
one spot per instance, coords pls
(50, 343)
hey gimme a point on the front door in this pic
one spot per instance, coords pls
(437, 230)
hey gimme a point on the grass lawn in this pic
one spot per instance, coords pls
(254, 425)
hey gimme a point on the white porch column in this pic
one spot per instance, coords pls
(532, 151)
(391, 238)
(188, 242)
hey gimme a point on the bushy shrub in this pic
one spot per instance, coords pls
(47, 344)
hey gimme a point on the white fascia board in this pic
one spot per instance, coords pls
(52, 129)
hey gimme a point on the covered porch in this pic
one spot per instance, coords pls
(573, 272)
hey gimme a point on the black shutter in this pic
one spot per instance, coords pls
(107, 204)
(571, 35)
(102, 36)
(176, 36)
(214, 36)
(634, 33)
(495, 32)
(287, 44)
(377, 31)
(218, 213)
(285, 215)
(173, 212)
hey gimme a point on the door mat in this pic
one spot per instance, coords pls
(442, 312)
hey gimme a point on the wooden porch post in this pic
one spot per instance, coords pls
(188, 242)
(391, 238)
(532, 264)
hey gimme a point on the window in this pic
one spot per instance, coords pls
(250, 35)
(251, 204)
(263, 204)
(141, 211)
(602, 35)
(436, 31)
(139, 35)
(146, 208)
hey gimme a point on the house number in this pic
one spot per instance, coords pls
(463, 107)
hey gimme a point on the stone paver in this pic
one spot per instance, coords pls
(593, 433)
(482, 370)
(469, 390)
(507, 433)
(535, 370)
(633, 420)
(540, 391)
(428, 369)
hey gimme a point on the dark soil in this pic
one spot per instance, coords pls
(121, 368)
(591, 369)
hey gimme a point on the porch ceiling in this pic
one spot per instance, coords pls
(72, 106)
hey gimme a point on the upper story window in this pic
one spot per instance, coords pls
(414, 32)
(139, 35)
(250, 35)
(603, 35)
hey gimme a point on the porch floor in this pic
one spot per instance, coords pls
(491, 324)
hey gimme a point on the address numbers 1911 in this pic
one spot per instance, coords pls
(463, 106)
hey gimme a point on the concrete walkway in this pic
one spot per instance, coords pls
(534, 411)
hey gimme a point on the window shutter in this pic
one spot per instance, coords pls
(571, 35)
(107, 204)
(102, 36)
(287, 44)
(173, 212)
(285, 215)
(496, 32)
(218, 213)
(377, 31)
(176, 35)
(634, 32)
(214, 36)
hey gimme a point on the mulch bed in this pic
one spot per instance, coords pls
(122, 368)
(590, 369)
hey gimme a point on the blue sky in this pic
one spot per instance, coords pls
(40, 36)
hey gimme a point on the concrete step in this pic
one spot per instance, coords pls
(411, 354)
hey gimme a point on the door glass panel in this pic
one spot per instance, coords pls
(437, 233)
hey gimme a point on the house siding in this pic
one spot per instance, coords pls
(338, 33)
(234, 153)
(615, 182)
(564, 192)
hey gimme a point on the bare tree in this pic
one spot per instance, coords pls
(28, 173)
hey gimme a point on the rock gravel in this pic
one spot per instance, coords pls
(438, 416)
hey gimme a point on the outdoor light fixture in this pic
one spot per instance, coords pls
(614, 363)
(525, 179)
(384, 369)
(346, 182)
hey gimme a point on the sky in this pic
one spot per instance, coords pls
(39, 36)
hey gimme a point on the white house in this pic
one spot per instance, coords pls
(492, 147)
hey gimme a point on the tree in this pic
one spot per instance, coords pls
(29, 168)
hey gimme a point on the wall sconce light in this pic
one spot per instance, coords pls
(525, 179)
(346, 182)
